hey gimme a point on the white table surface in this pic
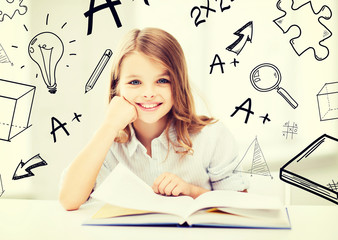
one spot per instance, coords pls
(42, 219)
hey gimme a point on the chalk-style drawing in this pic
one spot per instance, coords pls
(312, 31)
(2, 190)
(24, 170)
(16, 101)
(10, 7)
(196, 11)
(333, 185)
(3, 56)
(254, 155)
(93, 9)
(290, 130)
(327, 99)
(265, 118)
(244, 34)
(46, 50)
(297, 171)
(98, 70)
(266, 77)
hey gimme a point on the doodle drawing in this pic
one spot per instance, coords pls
(327, 99)
(266, 77)
(312, 31)
(254, 155)
(290, 130)
(1, 187)
(98, 70)
(23, 170)
(3, 56)
(333, 186)
(244, 35)
(314, 168)
(46, 50)
(16, 100)
(10, 7)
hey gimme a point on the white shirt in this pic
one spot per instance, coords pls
(211, 165)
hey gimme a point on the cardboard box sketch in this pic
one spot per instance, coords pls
(327, 99)
(16, 100)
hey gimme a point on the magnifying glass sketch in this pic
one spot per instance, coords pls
(266, 77)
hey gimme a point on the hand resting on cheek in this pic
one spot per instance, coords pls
(120, 113)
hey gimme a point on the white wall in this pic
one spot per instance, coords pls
(217, 93)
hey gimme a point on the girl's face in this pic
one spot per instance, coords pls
(146, 84)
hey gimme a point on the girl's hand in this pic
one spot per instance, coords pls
(120, 113)
(171, 185)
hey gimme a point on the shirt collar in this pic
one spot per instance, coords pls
(134, 143)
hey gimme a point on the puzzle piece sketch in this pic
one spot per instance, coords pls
(10, 7)
(312, 31)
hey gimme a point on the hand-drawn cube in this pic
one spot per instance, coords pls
(16, 101)
(327, 99)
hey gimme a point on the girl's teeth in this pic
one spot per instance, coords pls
(149, 106)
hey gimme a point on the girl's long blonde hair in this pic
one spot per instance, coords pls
(165, 49)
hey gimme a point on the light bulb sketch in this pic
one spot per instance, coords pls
(46, 50)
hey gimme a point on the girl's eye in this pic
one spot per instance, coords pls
(135, 82)
(163, 80)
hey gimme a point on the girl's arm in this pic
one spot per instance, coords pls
(81, 175)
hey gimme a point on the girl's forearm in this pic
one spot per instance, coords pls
(81, 175)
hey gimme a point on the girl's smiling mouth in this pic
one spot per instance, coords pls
(149, 106)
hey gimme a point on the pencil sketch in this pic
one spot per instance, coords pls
(46, 50)
(24, 170)
(98, 70)
(255, 156)
(244, 34)
(297, 171)
(312, 30)
(3, 56)
(10, 7)
(290, 130)
(16, 101)
(2, 190)
(327, 100)
(266, 77)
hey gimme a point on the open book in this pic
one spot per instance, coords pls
(130, 201)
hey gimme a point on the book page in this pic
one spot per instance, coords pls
(123, 188)
(240, 200)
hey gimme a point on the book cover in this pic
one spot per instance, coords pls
(315, 169)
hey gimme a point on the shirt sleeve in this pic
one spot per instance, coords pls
(224, 160)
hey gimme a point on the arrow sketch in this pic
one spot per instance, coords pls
(244, 35)
(23, 170)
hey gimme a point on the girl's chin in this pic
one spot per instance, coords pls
(146, 120)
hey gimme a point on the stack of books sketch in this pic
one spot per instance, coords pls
(16, 100)
(253, 155)
(315, 169)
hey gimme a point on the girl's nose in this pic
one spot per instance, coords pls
(149, 93)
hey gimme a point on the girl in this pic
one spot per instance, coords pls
(152, 128)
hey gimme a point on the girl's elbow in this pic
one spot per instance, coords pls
(68, 204)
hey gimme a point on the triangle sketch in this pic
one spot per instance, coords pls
(3, 56)
(254, 155)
